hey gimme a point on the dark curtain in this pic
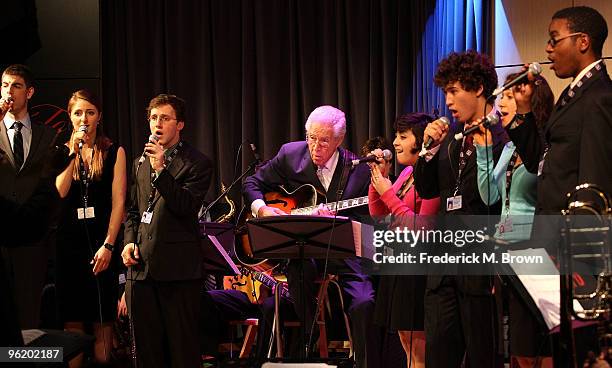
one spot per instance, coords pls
(253, 70)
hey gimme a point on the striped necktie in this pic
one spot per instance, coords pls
(18, 144)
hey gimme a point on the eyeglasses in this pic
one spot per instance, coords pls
(163, 118)
(313, 139)
(553, 42)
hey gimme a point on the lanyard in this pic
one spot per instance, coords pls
(509, 173)
(597, 69)
(84, 176)
(169, 158)
(464, 155)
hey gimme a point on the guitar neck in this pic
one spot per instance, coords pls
(333, 206)
(267, 280)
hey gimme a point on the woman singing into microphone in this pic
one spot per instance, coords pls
(93, 188)
(511, 183)
(400, 299)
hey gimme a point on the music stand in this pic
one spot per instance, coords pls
(217, 244)
(300, 237)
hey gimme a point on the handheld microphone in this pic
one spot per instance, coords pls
(8, 100)
(152, 139)
(255, 154)
(444, 120)
(490, 120)
(84, 129)
(534, 68)
(387, 155)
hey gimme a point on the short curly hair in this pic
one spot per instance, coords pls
(469, 68)
(586, 20)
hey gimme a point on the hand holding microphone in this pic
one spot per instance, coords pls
(5, 105)
(152, 139)
(155, 152)
(434, 134)
(81, 136)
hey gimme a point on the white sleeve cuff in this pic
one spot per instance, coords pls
(256, 205)
(430, 153)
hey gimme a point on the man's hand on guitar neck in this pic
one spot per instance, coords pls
(322, 210)
(269, 211)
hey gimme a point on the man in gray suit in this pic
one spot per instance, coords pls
(24, 145)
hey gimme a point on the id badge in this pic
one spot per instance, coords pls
(505, 226)
(146, 217)
(453, 203)
(87, 212)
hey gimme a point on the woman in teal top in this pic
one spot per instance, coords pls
(511, 183)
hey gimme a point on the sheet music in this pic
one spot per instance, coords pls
(544, 289)
(363, 235)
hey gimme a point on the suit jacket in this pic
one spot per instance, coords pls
(438, 178)
(293, 166)
(26, 260)
(578, 135)
(19, 185)
(170, 245)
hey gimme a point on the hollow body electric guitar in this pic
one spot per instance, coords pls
(257, 285)
(302, 201)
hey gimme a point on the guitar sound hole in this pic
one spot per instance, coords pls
(278, 201)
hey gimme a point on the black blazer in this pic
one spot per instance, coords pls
(438, 178)
(580, 150)
(19, 185)
(170, 244)
(293, 166)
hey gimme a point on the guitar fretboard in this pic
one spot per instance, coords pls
(267, 280)
(334, 206)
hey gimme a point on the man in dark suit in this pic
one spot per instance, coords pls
(459, 310)
(25, 144)
(320, 161)
(576, 146)
(16, 221)
(162, 240)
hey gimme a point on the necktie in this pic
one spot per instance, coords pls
(322, 176)
(18, 145)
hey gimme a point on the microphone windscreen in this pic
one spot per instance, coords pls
(535, 69)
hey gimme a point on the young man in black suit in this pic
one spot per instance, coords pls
(25, 145)
(575, 148)
(162, 240)
(459, 309)
(319, 161)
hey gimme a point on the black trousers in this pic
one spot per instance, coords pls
(359, 296)
(457, 326)
(165, 318)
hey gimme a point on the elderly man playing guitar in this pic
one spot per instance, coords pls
(320, 163)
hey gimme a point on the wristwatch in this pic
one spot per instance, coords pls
(109, 246)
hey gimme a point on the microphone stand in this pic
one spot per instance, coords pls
(204, 210)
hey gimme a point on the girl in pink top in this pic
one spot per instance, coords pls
(399, 301)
